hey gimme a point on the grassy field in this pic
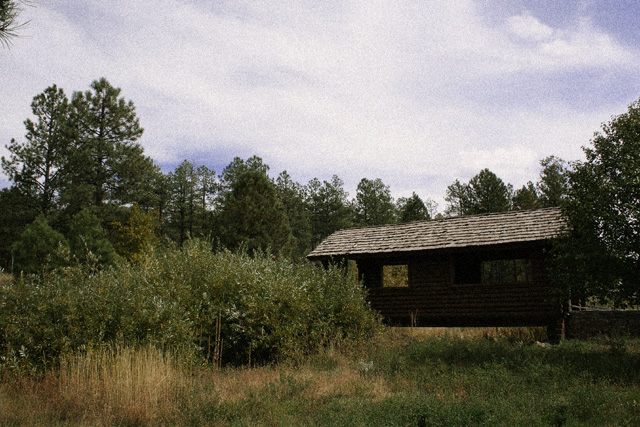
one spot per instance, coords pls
(405, 377)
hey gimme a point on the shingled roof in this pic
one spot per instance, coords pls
(447, 233)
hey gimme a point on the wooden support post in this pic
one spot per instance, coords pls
(556, 331)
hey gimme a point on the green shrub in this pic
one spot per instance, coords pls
(40, 247)
(88, 240)
(221, 306)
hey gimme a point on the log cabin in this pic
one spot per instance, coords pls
(478, 270)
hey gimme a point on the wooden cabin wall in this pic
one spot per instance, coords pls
(435, 298)
(431, 273)
(514, 304)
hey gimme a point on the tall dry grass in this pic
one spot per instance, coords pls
(123, 384)
(453, 376)
(522, 334)
(5, 277)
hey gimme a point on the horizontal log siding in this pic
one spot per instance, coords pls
(466, 305)
(434, 299)
(430, 274)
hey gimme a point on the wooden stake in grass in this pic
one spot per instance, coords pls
(414, 318)
(217, 348)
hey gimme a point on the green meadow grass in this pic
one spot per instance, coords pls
(400, 378)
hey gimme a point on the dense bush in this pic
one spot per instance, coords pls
(40, 247)
(221, 306)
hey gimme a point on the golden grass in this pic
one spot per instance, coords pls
(344, 379)
(5, 277)
(123, 383)
(525, 334)
(146, 386)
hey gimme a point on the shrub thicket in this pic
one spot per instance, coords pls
(221, 306)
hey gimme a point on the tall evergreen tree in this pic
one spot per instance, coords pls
(252, 217)
(526, 197)
(36, 166)
(489, 193)
(554, 181)
(107, 165)
(484, 193)
(329, 208)
(161, 193)
(183, 182)
(412, 209)
(292, 196)
(206, 193)
(192, 191)
(373, 204)
(237, 167)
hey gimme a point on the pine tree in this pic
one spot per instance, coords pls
(88, 240)
(329, 208)
(192, 190)
(9, 24)
(412, 209)
(252, 217)
(373, 204)
(484, 193)
(292, 196)
(526, 197)
(40, 248)
(37, 166)
(107, 165)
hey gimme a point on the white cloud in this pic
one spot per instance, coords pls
(529, 27)
(579, 46)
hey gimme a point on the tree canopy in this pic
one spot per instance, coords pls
(484, 193)
(107, 163)
(412, 209)
(329, 208)
(40, 247)
(373, 204)
(553, 185)
(81, 153)
(37, 165)
(81, 165)
(252, 217)
(601, 255)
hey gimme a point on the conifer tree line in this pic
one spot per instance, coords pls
(83, 188)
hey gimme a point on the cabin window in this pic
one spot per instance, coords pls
(506, 271)
(395, 276)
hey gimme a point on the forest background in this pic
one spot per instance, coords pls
(81, 180)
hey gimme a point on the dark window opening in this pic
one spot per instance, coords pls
(506, 271)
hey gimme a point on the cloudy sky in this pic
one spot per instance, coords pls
(415, 92)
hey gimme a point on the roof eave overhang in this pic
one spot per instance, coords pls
(417, 253)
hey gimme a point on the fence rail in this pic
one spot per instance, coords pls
(590, 307)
